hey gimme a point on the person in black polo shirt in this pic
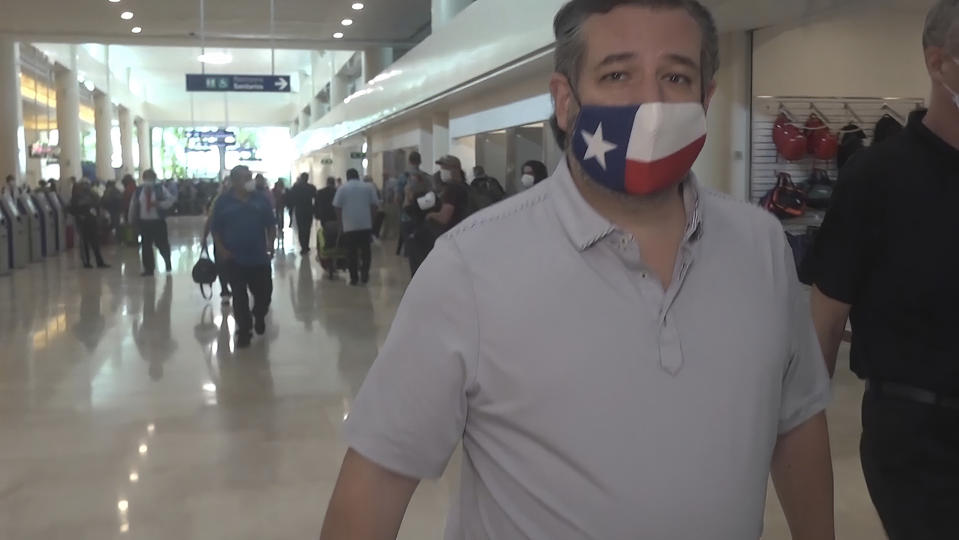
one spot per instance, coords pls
(886, 258)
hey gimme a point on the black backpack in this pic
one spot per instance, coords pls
(204, 273)
(818, 189)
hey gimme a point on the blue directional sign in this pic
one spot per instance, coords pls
(197, 82)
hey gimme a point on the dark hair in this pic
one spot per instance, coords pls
(540, 172)
(352, 174)
(304, 177)
(149, 174)
(330, 181)
(570, 48)
(416, 158)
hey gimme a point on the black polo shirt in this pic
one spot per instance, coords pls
(889, 247)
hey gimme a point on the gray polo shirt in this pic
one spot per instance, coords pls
(592, 403)
(357, 200)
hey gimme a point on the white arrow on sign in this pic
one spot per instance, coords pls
(281, 83)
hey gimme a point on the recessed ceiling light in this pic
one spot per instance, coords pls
(126, 15)
(338, 35)
(136, 29)
(356, 7)
(114, 1)
(347, 22)
(215, 57)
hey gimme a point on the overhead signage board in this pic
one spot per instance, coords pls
(198, 82)
(326, 161)
(357, 155)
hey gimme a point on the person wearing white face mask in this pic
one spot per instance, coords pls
(534, 172)
(148, 210)
(885, 259)
(244, 229)
(621, 352)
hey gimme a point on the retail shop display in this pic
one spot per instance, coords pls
(786, 199)
(851, 141)
(818, 189)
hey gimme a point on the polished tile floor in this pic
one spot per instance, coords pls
(126, 412)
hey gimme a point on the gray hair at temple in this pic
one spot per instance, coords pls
(571, 49)
(942, 27)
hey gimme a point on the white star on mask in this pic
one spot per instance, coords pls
(597, 147)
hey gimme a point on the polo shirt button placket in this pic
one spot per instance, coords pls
(670, 349)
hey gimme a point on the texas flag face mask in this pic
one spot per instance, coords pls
(639, 149)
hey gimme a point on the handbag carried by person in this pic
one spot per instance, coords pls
(205, 274)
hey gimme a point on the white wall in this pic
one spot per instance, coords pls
(867, 53)
(723, 165)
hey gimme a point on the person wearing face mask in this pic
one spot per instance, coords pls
(884, 260)
(534, 172)
(440, 213)
(244, 230)
(148, 210)
(649, 360)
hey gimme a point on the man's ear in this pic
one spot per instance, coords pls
(562, 94)
(710, 92)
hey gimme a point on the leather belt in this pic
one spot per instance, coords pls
(912, 393)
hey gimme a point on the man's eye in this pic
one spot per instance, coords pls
(615, 76)
(678, 78)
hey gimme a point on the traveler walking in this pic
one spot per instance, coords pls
(244, 229)
(356, 203)
(300, 198)
(644, 385)
(148, 209)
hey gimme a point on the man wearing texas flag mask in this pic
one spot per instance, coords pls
(621, 352)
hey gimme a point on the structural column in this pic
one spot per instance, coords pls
(68, 119)
(103, 114)
(375, 61)
(304, 120)
(11, 108)
(441, 135)
(143, 140)
(317, 109)
(126, 140)
(445, 10)
(338, 90)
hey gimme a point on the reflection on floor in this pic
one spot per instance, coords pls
(126, 412)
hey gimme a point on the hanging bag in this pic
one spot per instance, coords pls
(785, 200)
(204, 273)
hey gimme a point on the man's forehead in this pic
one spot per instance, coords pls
(637, 30)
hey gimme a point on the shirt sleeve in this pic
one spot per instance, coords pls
(266, 214)
(840, 255)
(338, 199)
(169, 199)
(806, 386)
(216, 219)
(411, 411)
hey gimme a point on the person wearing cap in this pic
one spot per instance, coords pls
(621, 352)
(884, 260)
(244, 229)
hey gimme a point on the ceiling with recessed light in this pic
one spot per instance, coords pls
(299, 24)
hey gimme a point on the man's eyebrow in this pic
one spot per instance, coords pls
(616, 58)
(683, 60)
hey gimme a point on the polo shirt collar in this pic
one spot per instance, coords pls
(585, 227)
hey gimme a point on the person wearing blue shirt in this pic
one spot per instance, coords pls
(355, 204)
(244, 229)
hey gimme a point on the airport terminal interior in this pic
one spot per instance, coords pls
(129, 406)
